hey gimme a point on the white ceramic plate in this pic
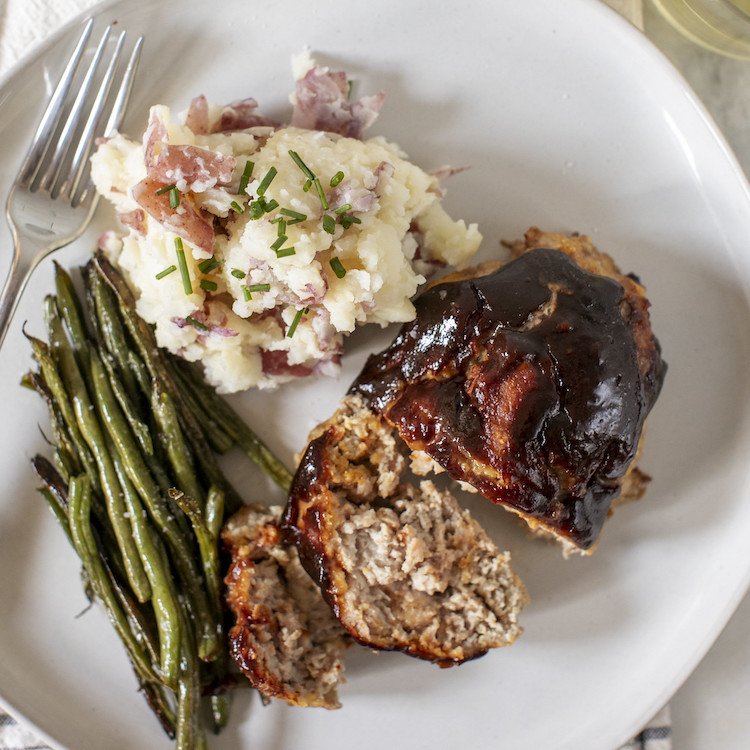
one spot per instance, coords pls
(570, 121)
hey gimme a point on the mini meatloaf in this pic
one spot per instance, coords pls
(285, 640)
(531, 383)
(402, 566)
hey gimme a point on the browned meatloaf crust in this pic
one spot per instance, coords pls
(531, 383)
(402, 566)
(285, 638)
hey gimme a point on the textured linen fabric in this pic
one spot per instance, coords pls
(26, 23)
(13, 736)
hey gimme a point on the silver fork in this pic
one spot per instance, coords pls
(52, 199)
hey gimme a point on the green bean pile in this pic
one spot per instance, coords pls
(136, 485)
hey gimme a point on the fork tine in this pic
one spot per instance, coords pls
(38, 227)
(78, 162)
(68, 131)
(52, 114)
(118, 108)
(123, 95)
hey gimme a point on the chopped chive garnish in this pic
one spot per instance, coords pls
(236, 206)
(266, 181)
(298, 161)
(329, 223)
(284, 252)
(321, 194)
(237, 273)
(296, 215)
(197, 324)
(245, 179)
(250, 288)
(343, 209)
(267, 206)
(281, 227)
(256, 210)
(208, 285)
(338, 267)
(174, 194)
(295, 323)
(209, 264)
(336, 179)
(307, 186)
(347, 220)
(166, 272)
(182, 263)
(279, 242)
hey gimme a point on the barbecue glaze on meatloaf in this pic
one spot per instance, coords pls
(402, 567)
(285, 638)
(530, 383)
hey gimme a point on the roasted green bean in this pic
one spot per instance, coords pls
(235, 427)
(217, 436)
(189, 733)
(137, 425)
(110, 328)
(166, 609)
(79, 514)
(214, 512)
(50, 375)
(177, 449)
(149, 491)
(140, 493)
(69, 306)
(155, 362)
(92, 433)
(207, 545)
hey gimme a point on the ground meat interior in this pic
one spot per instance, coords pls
(285, 639)
(402, 565)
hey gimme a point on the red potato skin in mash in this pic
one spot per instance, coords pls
(322, 103)
(186, 220)
(193, 166)
(365, 241)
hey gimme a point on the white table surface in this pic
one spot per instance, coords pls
(710, 710)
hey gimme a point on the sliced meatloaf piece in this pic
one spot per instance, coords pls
(402, 566)
(285, 640)
(530, 383)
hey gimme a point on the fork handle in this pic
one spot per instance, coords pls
(18, 276)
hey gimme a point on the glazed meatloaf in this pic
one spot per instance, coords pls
(402, 566)
(285, 638)
(530, 384)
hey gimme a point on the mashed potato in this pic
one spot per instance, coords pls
(245, 263)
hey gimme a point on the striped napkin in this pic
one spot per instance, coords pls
(25, 24)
